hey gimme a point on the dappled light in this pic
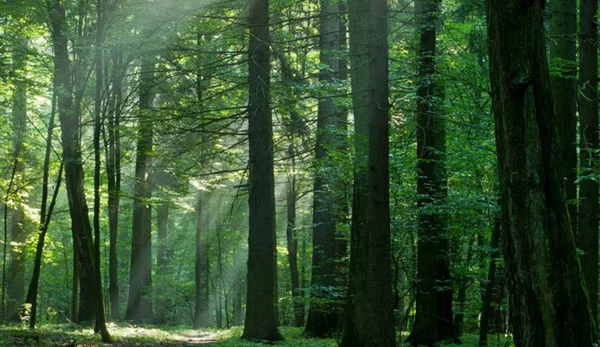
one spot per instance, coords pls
(351, 173)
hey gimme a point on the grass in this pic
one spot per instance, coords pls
(125, 335)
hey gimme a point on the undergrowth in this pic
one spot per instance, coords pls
(126, 335)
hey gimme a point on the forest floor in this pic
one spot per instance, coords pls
(127, 335)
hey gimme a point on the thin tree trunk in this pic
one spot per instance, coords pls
(163, 301)
(32, 292)
(113, 171)
(587, 234)
(202, 268)
(292, 248)
(16, 284)
(96, 140)
(486, 305)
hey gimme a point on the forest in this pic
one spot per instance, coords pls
(354, 173)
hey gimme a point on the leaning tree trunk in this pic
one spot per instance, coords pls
(548, 300)
(69, 122)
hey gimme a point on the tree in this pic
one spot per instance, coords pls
(433, 319)
(112, 149)
(323, 316)
(139, 306)
(202, 266)
(261, 309)
(368, 319)
(535, 218)
(587, 233)
(69, 121)
(18, 232)
(564, 92)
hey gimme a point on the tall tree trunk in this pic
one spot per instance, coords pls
(238, 311)
(563, 31)
(324, 313)
(163, 302)
(113, 171)
(587, 233)
(433, 319)
(463, 284)
(202, 268)
(549, 304)
(69, 120)
(16, 283)
(292, 248)
(261, 310)
(45, 215)
(139, 306)
(98, 92)
(492, 278)
(368, 319)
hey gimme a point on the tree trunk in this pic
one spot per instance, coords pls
(486, 305)
(32, 292)
(535, 218)
(463, 284)
(98, 92)
(368, 319)
(587, 233)
(261, 310)
(433, 319)
(238, 312)
(324, 313)
(163, 301)
(16, 283)
(563, 31)
(292, 248)
(202, 268)
(113, 172)
(69, 120)
(139, 306)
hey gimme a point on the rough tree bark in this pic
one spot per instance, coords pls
(261, 309)
(368, 318)
(563, 33)
(433, 319)
(324, 313)
(548, 301)
(587, 234)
